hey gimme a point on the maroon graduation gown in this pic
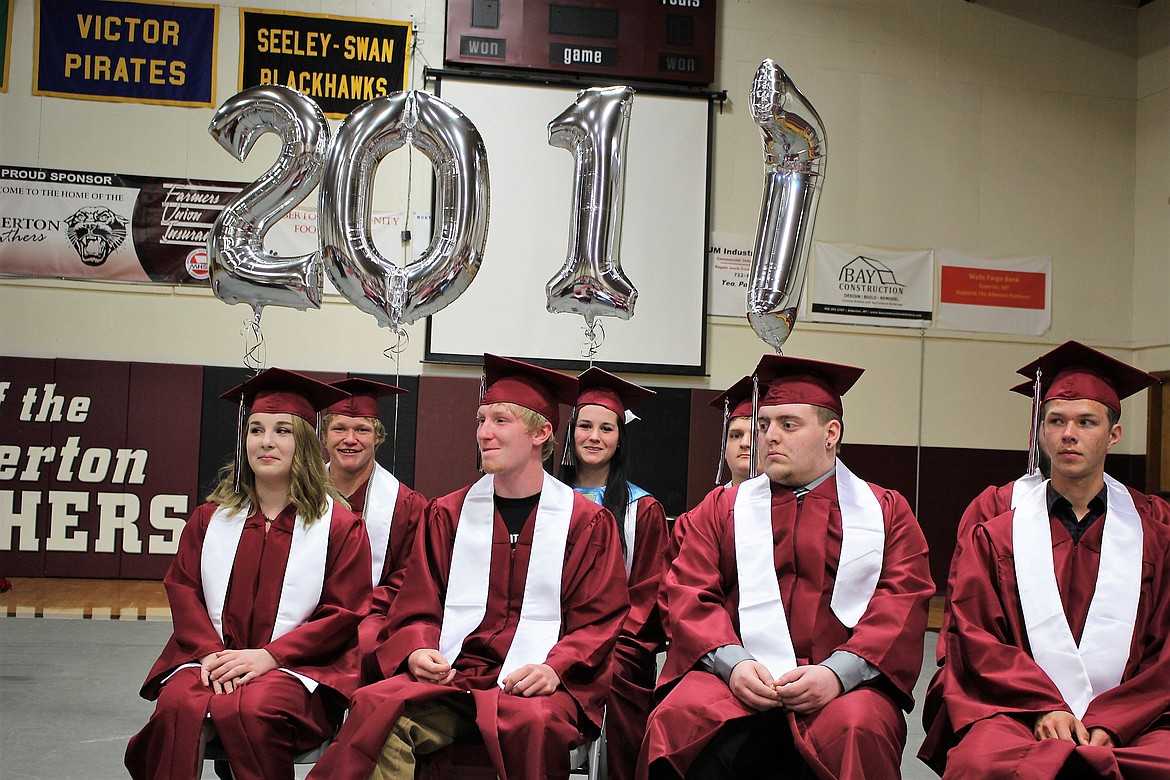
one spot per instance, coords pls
(265, 722)
(989, 503)
(408, 512)
(640, 640)
(993, 690)
(701, 593)
(526, 738)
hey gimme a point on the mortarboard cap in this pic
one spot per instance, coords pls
(1073, 371)
(363, 399)
(793, 380)
(737, 399)
(602, 388)
(278, 391)
(540, 389)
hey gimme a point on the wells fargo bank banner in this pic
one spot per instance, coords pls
(340, 62)
(994, 294)
(98, 465)
(126, 51)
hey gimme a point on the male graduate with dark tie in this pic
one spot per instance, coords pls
(1057, 661)
(797, 604)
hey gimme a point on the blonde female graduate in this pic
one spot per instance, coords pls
(270, 581)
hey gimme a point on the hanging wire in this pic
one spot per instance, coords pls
(394, 353)
(594, 338)
(254, 356)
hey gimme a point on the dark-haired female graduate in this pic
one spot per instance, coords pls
(270, 581)
(599, 468)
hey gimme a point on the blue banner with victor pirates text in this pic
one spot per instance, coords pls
(126, 51)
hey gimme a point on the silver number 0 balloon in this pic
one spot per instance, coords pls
(591, 282)
(392, 294)
(241, 269)
(794, 167)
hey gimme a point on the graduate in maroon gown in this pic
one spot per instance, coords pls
(736, 404)
(1057, 661)
(391, 511)
(270, 581)
(991, 501)
(797, 604)
(486, 646)
(597, 464)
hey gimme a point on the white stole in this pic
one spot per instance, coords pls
(304, 575)
(630, 531)
(1025, 483)
(763, 625)
(378, 513)
(465, 606)
(1079, 673)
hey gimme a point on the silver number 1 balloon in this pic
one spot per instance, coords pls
(794, 168)
(396, 295)
(241, 269)
(594, 129)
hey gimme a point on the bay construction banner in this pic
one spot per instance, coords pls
(994, 294)
(865, 285)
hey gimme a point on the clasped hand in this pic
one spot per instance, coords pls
(227, 670)
(803, 690)
(1063, 725)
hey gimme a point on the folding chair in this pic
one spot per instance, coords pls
(214, 752)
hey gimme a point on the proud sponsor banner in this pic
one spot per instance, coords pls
(340, 62)
(98, 465)
(865, 285)
(729, 265)
(126, 51)
(114, 227)
(994, 294)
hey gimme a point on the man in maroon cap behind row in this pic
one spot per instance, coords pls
(483, 644)
(353, 431)
(797, 605)
(1057, 660)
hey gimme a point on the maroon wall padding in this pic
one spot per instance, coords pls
(445, 458)
(21, 556)
(107, 385)
(163, 419)
(164, 409)
(706, 448)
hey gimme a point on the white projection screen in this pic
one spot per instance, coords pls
(664, 229)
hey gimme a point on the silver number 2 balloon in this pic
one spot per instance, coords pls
(594, 129)
(397, 295)
(794, 168)
(241, 269)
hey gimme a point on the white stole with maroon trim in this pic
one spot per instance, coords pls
(464, 608)
(381, 497)
(763, 625)
(304, 575)
(1079, 673)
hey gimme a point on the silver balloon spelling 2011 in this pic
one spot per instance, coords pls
(242, 271)
(794, 167)
(591, 282)
(395, 295)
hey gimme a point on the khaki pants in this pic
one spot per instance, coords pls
(424, 728)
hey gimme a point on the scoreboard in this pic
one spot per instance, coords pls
(661, 41)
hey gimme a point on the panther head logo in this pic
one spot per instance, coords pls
(95, 233)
